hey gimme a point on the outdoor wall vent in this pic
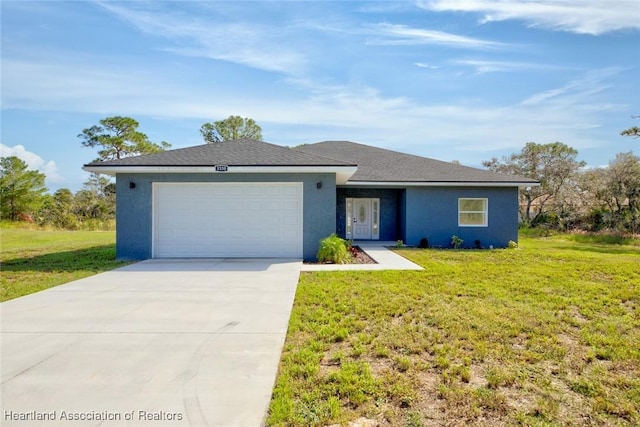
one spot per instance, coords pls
(132, 184)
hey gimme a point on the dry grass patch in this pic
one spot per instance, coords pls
(544, 335)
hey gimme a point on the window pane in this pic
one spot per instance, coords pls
(362, 214)
(472, 219)
(471, 205)
(375, 213)
(349, 217)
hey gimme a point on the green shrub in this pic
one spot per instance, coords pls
(512, 244)
(333, 249)
(456, 242)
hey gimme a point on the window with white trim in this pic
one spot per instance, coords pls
(473, 212)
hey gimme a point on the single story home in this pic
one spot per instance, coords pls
(248, 198)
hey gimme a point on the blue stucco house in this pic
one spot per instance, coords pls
(249, 198)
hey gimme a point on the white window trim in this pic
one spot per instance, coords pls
(485, 212)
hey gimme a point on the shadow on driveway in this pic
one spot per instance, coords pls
(209, 264)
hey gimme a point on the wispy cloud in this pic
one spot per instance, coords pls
(573, 91)
(392, 34)
(482, 66)
(251, 44)
(33, 161)
(449, 129)
(63, 82)
(578, 16)
(427, 66)
(385, 7)
(456, 129)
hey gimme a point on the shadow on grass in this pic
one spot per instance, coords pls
(607, 250)
(98, 258)
(604, 249)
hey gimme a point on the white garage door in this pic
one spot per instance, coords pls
(200, 220)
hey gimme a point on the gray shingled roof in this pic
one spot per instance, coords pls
(242, 152)
(380, 165)
(373, 164)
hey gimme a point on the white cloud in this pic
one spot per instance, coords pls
(427, 66)
(78, 83)
(577, 16)
(484, 66)
(405, 35)
(33, 161)
(575, 91)
(457, 129)
(250, 44)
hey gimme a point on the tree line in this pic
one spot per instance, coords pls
(24, 197)
(570, 196)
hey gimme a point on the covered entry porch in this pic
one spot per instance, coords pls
(370, 213)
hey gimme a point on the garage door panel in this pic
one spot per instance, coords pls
(227, 220)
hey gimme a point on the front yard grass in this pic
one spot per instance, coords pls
(34, 259)
(548, 334)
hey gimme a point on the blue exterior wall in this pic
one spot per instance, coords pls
(389, 205)
(432, 212)
(134, 208)
(402, 216)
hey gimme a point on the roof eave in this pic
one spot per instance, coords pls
(343, 173)
(519, 184)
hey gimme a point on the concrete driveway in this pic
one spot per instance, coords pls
(158, 343)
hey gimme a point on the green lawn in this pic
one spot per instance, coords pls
(33, 259)
(548, 334)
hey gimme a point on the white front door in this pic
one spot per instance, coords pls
(363, 219)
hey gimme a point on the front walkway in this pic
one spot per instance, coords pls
(386, 259)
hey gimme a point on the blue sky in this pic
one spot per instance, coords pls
(459, 80)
